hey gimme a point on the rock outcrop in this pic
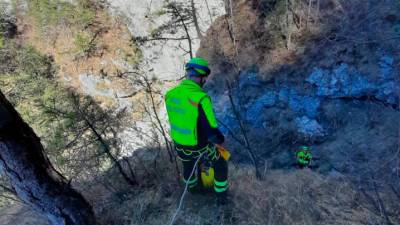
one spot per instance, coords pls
(324, 91)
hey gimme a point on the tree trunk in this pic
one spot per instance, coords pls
(195, 20)
(227, 4)
(32, 176)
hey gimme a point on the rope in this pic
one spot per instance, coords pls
(185, 191)
(195, 165)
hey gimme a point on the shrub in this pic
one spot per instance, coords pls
(83, 43)
(48, 13)
(33, 63)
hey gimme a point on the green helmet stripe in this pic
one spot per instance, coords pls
(200, 65)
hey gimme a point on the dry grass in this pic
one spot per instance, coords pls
(287, 197)
(112, 52)
(292, 197)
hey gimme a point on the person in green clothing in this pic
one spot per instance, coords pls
(304, 156)
(194, 128)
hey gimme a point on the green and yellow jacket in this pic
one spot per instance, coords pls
(191, 116)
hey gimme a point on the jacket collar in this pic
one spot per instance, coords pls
(192, 84)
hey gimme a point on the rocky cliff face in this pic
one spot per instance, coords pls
(165, 59)
(334, 85)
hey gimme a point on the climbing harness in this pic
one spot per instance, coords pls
(194, 154)
(208, 155)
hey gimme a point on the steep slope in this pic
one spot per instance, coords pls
(333, 86)
(324, 75)
(338, 80)
(319, 73)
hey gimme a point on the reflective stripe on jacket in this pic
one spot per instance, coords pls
(191, 115)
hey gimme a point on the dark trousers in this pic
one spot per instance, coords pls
(211, 155)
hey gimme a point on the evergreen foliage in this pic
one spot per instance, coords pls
(58, 115)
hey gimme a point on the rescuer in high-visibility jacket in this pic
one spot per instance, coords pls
(194, 128)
